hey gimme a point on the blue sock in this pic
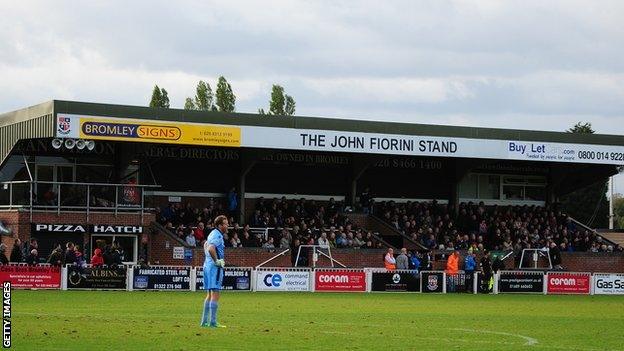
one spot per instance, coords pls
(213, 312)
(204, 319)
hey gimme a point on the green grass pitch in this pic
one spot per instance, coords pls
(106, 320)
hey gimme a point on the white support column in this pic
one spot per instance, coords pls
(64, 278)
(129, 278)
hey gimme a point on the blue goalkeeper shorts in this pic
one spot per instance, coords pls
(213, 277)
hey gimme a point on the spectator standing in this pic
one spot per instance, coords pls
(232, 199)
(97, 260)
(56, 257)
(3, 257)
(414, 261)
(555, 256)
(452, 264)
(70, 254)
(486, 270)
(402, 261)
(389, 260)
(33, 258)
(16, 252)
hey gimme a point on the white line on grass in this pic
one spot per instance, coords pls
(529, 340)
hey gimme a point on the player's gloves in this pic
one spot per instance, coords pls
(220, 263)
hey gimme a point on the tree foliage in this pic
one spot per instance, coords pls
(587, 205)
(226, 100)
(204, 97)
(160, 98)
(280, 104)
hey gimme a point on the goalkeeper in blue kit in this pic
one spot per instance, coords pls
(213, 271)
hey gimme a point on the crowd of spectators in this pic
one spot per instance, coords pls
(28, 252)
(288, 223)
(476, 227)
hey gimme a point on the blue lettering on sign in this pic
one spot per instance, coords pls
(272, 280)
(522, 149)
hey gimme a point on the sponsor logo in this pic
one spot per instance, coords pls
(563, 281)
(60, 228)
(396, 278)
(333, 278)
(242, 283)
(135, 131)
(274, 280)
(140, 282)
(432, 282)
(64, 125)
(605, 284)
(118, 229)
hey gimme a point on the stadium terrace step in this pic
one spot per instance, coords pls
(393, 237)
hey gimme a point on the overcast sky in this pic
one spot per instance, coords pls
(541, 65)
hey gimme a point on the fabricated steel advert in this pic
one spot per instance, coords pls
(162, 278)
(96, 278)
(233, 279)
(395, 281)
(520, 282)
(340, 281)
(282, 281)
(568, 283)
(608, 284)
(31, 277)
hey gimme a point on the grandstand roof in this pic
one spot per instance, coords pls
(38, 122)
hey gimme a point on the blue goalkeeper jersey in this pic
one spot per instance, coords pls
(214, 238)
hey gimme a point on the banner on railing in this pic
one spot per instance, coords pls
(31, 277)
(396, 281)
(568, 283)
(161, 278)
(459, 282)
(609, 283)
(340, 280)
(521, 282)
(283, 280)
(97, 278)
(234, 278)
(432, 282)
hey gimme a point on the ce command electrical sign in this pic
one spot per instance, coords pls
(282, 281)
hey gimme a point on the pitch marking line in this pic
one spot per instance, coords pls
(529, 340)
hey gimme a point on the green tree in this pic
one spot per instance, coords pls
(160, 98)
(276, 105)
(618, 211)
(289, 110)
(581, 128)
(156, 97)
(226, 100)
(587, 205)
(204, 97)
(189, 104)
(164, 99)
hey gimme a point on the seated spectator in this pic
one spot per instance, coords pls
(285, 240)
(269, 244)
(322, 240)
(235, 241)
(199, 233)
(190, 239)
